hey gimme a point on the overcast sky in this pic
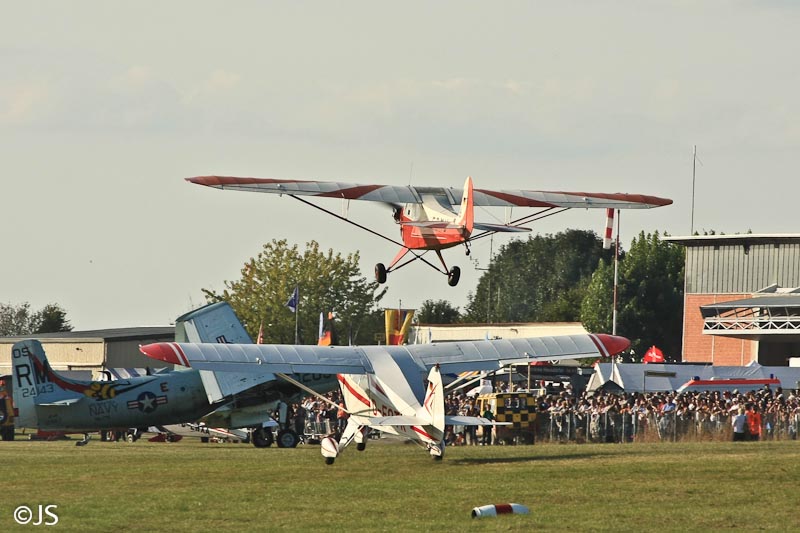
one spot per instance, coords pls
(106, 106)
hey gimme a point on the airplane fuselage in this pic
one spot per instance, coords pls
(163, 398)
(394, 390)
(439, 230)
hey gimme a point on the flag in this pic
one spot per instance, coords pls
(260, 339)
(293, 301)
(653, 355)
(398, 321)
(326, 333)
(609, 229)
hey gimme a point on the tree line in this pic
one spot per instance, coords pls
(562, 277)
(569, 277)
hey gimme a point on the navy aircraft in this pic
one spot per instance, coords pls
(46, 400)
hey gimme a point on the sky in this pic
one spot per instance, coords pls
(106, 106)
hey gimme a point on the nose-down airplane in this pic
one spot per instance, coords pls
(385, 386)
(426, 215)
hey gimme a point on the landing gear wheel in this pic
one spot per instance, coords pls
(287, 439)
(453, 276)
(329, 460)
(380, 273)
(7, 432)
(361, 446)
(262, 438)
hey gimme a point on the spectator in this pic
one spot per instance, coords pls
(739, 424)
(754, 422)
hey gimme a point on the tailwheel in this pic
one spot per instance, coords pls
(453, 276)
(380, 273)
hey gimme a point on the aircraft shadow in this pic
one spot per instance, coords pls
(511, 460)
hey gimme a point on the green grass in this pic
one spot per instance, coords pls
(190, 486)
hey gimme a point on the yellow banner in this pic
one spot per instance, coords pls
(398, 322)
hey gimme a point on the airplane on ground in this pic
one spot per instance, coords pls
(426, 215)
(384, 386)
(46, 400)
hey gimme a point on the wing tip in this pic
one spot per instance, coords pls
(169, 352)
(610, 344)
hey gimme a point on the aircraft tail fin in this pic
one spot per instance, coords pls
(35, 383)
(466, 215)
(215, 322)
(433, 407)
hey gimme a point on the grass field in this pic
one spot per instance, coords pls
(190, 486)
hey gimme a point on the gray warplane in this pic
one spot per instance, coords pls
(46, 400)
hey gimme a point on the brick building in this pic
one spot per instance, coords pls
(741, 299)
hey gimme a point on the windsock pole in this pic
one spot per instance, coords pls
(616, 277)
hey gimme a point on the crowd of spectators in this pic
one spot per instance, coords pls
(562, 415)
(627, 417)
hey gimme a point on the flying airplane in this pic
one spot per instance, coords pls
(49, 401)
(426, 215)
(384, 386)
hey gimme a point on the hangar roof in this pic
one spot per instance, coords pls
(740, 238)
(99, 335)
(780, 301)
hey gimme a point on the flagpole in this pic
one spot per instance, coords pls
(616, 279)
(296, 320)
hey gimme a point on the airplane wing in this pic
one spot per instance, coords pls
(452, 357)
(414, 195)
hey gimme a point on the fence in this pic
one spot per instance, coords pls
(629, 426)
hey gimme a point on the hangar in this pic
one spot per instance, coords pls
(741, 299)
(88, 353)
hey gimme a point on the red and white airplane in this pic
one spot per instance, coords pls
(384, 386)
(427, 216)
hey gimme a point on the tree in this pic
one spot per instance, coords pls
(20, 320)
(649, 296)
(52, 319)
(325, 281)
(437, 312)
(541, 279)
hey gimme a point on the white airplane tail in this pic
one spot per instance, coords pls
(35, 383)
(466, 215)
(432, 410)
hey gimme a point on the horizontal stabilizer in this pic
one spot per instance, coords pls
(397, 421)
(500, 228)
(472, 421)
